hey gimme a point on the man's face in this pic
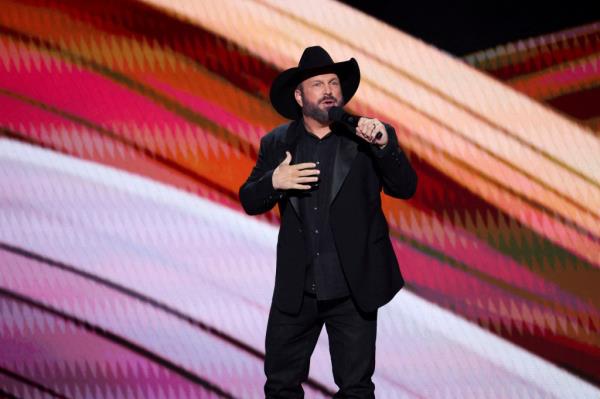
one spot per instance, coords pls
(316, 95)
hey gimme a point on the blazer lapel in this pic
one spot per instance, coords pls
(344, 155)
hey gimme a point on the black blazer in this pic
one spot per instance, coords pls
(359, 227)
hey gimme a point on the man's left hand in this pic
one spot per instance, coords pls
(368, 128)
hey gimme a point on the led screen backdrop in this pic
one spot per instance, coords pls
(129, 270)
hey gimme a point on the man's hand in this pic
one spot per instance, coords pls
(288, 177)
(368, 128)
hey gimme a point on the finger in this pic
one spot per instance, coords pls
(360, 131)
(370, 132)
(306, 179)
(379, 130)
(288, 158)
(309, 172)
(300, 187)
(305, 165)
(362, 122)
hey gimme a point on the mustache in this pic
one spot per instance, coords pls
(328, 98)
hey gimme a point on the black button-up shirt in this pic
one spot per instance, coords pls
(324, 276)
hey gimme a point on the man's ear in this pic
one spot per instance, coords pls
(298, 97)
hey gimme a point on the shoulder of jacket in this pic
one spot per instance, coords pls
(277, 134)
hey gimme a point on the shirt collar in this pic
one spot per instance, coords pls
(314, 136)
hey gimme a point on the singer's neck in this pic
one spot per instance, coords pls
(315, 127)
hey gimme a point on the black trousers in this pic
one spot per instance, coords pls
(291, 339)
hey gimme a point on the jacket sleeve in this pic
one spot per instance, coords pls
(399, 178)
(257, 194)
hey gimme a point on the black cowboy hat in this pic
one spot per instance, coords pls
(314, 61)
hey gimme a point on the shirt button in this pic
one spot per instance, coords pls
(317, 254)
(315, 208)
(318, 162)
(316, 231)
(313, 287)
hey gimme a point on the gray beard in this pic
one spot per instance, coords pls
(316, 113)
(313, 111)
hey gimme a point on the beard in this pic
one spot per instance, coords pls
(312, 109)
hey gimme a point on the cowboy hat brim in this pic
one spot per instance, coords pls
(284, 85)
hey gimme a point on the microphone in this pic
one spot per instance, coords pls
(337, 114)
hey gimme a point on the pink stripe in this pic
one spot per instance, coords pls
(211, 111)
(51, 130)
(89, 95)
(477, 300)
(457, 243)
(67, 358)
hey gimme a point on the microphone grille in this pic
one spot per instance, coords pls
(336, 114)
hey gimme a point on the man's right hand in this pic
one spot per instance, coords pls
(290, 177)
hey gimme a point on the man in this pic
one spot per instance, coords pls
(335, 262)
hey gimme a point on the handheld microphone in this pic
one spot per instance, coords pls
(337, 114)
